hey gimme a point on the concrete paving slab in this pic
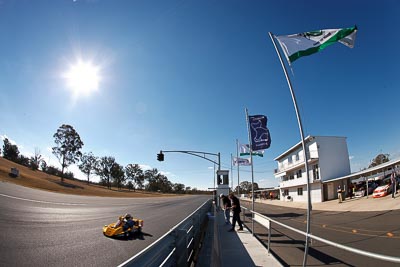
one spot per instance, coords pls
(241, 248)
(231, 249)
(257, 252)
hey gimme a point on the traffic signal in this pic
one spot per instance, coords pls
(160, 156)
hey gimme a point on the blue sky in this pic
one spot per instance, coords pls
(178, 75)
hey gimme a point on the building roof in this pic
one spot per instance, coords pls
(366, 172)
(293, 148)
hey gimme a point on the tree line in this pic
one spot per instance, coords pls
(67, 150)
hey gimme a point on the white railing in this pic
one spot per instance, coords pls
(177, 246)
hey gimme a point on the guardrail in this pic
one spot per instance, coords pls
(266, 222)
(177, 246)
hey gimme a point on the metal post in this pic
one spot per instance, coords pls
(214, 190)
(237, 155)
(219, 161)
(304, 149)
(269, 237)
(232, 172)
(252, 172)
(366, 182)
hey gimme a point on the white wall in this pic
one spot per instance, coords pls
(316, 193)
(333, 157)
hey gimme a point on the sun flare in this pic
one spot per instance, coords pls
(83, 78)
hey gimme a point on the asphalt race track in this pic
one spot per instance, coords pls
(377, 231)
(40, 228)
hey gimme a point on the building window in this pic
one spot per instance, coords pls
(299, 173)
(316, 172)
(291, 177)
(286, 192)
(300, 191)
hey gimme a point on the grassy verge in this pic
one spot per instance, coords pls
(40, 180)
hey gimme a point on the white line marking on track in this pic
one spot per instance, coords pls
(46, 202)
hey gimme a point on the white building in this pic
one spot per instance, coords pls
(328, 158)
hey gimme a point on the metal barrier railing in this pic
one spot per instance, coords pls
(177, 246)
(266, 222)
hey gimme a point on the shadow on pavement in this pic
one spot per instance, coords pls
(132, 236)
(322, 257)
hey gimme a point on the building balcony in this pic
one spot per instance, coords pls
(297, 181)
(287, 167)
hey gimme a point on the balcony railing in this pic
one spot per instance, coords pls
(287, 165)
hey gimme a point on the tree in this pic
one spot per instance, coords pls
(68, 146)
(245, 187)
(118, 175)
(157, 182)
(381, 158)
(53, 170)
(43, 166)
(88, 164)
(10, 151)
(150, 176)
(130, 185)
(104, 169)
(135, 174)
(164, 184)
(36, 160)
(179, 188)
(22, 160)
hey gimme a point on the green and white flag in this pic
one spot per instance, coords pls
(244, 150)
(304, 44)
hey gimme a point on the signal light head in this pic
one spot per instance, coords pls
(160, 156)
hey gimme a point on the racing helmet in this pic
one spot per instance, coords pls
(127, 216)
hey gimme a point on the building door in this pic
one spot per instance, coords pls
(331, 191)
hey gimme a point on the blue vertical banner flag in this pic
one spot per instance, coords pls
(260, 137)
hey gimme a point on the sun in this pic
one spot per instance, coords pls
(83, 78)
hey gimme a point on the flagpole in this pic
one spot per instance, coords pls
(231, 171)
(214, 190)
(309, 207)
(252, 173)
(237, 156)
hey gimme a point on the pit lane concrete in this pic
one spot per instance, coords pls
(367, 224)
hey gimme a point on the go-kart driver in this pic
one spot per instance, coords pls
(119, 222)
(129, 223)
(125, 221)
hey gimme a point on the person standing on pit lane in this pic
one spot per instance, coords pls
(393, 185)
(339, 192)
(236, 212)
(226, 204)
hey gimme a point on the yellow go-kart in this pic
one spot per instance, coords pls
(123, 227)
